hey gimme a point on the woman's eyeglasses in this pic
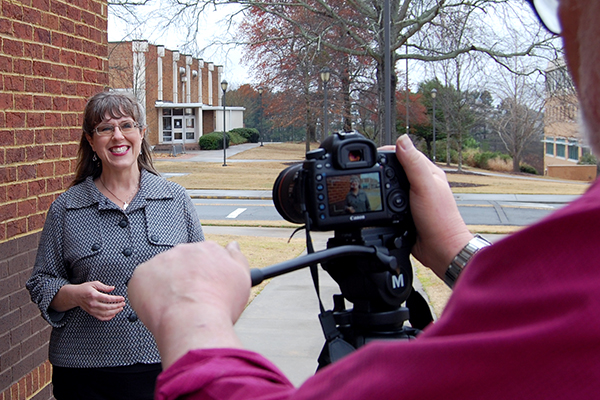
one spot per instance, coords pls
(547, 13)
(126, 128)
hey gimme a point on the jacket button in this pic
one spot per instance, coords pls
(96, 247)
(123, 223)
(154, 238)
(132, 317)
(127, 252)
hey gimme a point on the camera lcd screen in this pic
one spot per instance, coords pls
(354, 194)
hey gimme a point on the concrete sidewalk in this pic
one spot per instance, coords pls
(282, 322)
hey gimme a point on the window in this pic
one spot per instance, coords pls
(560, 147)
(549, 148)
(573, 150)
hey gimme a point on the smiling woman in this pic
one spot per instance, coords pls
(117, 214)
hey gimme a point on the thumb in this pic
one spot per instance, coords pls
(233, 248)
(418, 168)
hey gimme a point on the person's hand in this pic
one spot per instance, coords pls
(92, 297)
(441, 231)
(190, 296)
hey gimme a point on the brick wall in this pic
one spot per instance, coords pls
(53, 56)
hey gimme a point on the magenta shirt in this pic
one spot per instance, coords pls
(523, 323)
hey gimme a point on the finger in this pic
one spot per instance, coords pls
(102, 287)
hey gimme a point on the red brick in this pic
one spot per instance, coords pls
(12, 47)
(15, 119)
(69, 88)
(35, 222)
(66, 25)
(42, 5)
(45, 201)
(23, 67)
(8, 211)
(6, 64)
(42, 68)
(52, 86)
(34, 153)
(70, 150)
(36, 119)
(75, 74)
(16, 227)
(73, 13)
(42, 103)
(25, 136)
(51, 119)
(44, 170)
(8, 174)
(32, 16)
(26, 172)
(68, 57)
(22, 31)
(35, 85)
(2, 125)
(26, 208)
(36, 187)
(51, 54)
(6, 26)
(15, 155)
(23, 101)
(60, 104)
(42, 35)
(52, 151)
(43, 136)
(70, 119)
(14, 83)
(6, 101)
(17, 191)
(12, 11)
(50, 21)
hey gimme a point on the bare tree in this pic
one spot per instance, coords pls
(519, 118)
(362, 23)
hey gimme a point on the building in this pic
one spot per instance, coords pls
(182, 95)
(53, 57)
(563, 144)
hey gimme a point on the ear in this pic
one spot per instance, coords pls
(90, 140)
(143, 133)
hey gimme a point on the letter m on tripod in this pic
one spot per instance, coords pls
(397, 281)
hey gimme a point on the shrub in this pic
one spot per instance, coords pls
(528, 169)
(588, 159)
(251, 135)
(236, 138)
(213, 141)
(501, 164)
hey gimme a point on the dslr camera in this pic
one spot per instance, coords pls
(344, 184)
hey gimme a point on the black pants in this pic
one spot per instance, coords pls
(133, 382)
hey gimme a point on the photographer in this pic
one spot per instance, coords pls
(522, 323)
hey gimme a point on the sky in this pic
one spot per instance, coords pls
(211, 27)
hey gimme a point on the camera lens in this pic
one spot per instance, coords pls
(287, 194)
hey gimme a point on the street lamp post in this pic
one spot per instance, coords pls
(325, 75)
(433, 96)
(224, 87)
(260, 123)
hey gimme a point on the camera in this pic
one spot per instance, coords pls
(344, 184)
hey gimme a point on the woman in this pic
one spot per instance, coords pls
(117, 214)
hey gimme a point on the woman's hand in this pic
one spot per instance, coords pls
(92, 297)
(441, 231)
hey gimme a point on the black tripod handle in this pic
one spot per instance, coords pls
(259, 275)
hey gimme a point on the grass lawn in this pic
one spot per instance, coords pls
(260, 175)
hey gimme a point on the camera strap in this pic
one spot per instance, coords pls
(336, 346)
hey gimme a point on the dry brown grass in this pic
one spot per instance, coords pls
(263, 251)
(259, 175)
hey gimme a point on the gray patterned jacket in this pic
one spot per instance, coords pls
(87, 237)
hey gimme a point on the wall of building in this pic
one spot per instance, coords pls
(53, 56)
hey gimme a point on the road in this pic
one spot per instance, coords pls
(516, 210)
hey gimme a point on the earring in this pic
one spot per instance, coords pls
(95, 158)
